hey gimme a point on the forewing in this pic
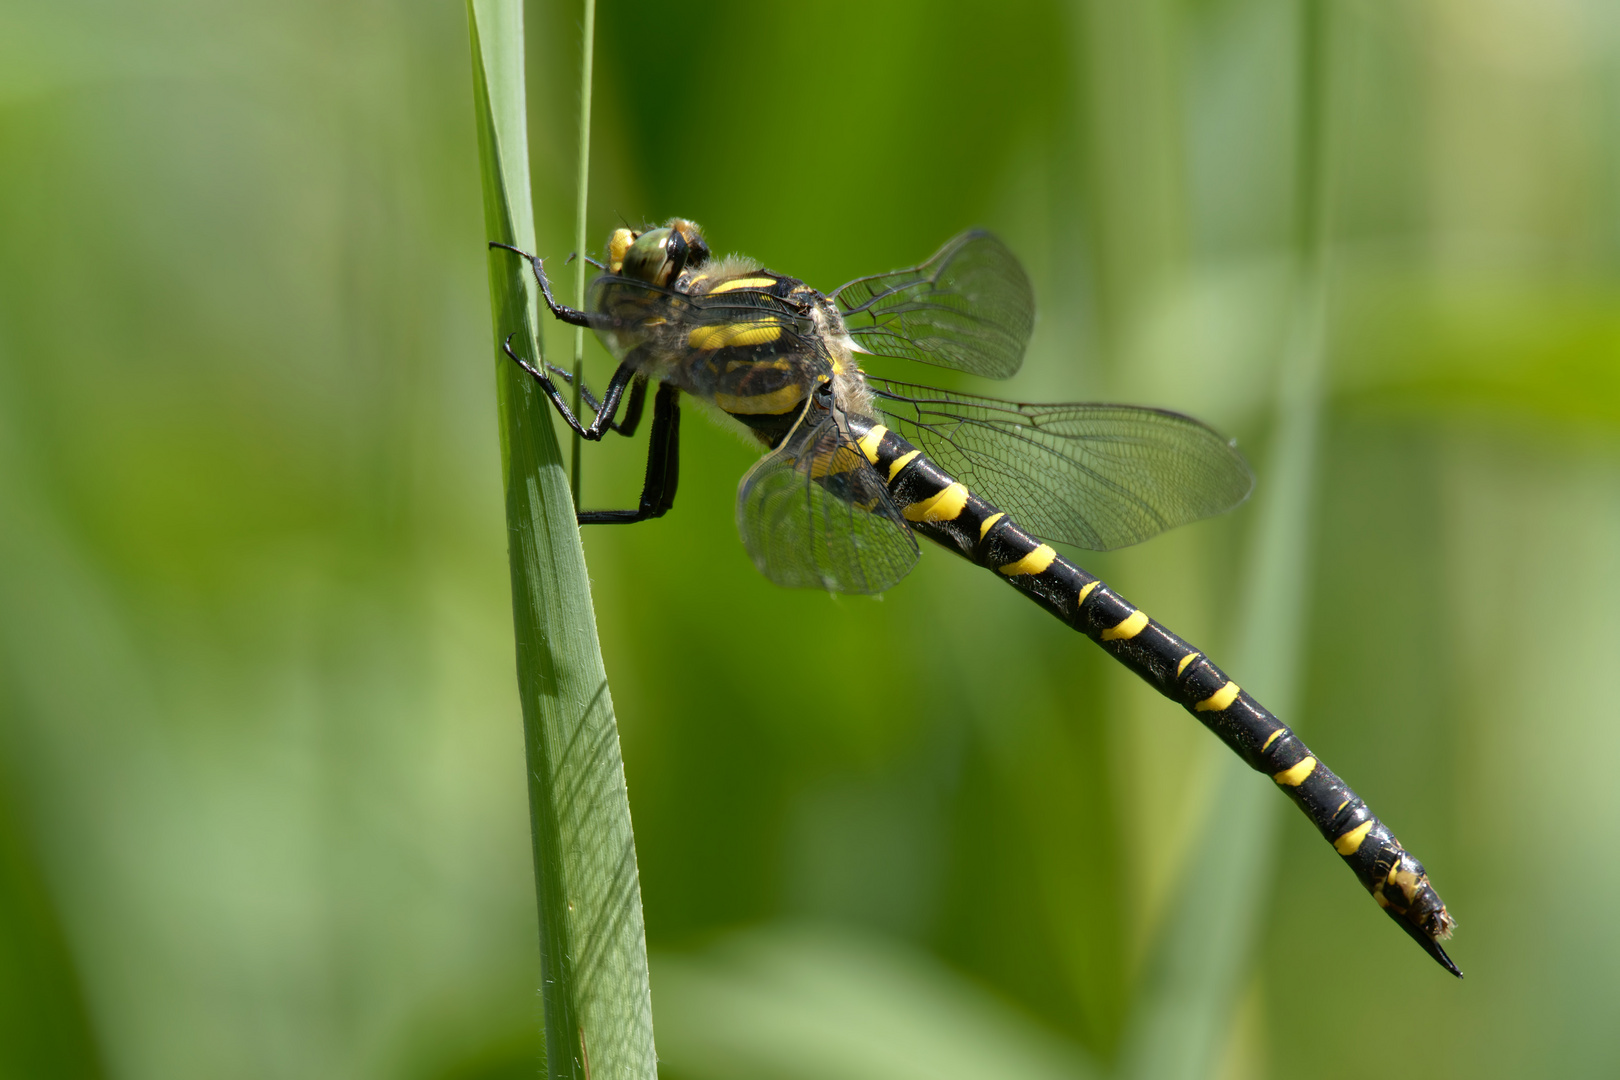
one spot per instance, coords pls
(970, 307)
(813, 514)
(1096, 476)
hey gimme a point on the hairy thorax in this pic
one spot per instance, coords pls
(752, 342)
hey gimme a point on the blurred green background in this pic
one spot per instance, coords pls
(261, 785)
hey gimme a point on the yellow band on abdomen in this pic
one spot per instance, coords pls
(1127, 628)
(870, 442)
(899, 463)
(946, 506)
(1297, 775)
(1033, 563)
(1220, 699)
(1350, 842)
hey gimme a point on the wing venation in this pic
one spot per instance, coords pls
(970, 308)
(1092, 475)
(813, 514)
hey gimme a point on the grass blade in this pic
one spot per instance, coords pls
(583, 186)
(593, 952)
(806, 1002)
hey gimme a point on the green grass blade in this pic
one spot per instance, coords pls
(805, 1002)
(45, 1026)
(582, 202)
(598, 1012)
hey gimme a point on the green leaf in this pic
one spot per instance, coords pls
(593, 953)
(45, 1027)
(807, 1002)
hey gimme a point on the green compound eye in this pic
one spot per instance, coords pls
(657, 256)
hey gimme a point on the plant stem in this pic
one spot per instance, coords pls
(593, 952)
(588, 52)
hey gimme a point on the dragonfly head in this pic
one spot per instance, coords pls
(657, 256)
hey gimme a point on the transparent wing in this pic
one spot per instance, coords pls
(1096, 476)
(969, 307)
(813, 514)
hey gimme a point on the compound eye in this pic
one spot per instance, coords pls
(676, 252)
(648, 258)
(618, 246)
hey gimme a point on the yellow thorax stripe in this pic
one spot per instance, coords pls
(742, 283)
(734, 335)
(771, 404)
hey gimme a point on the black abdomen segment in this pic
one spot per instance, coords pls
(943, 510)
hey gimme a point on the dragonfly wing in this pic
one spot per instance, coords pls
(970, 307)
(813, 514)
(1095, 476)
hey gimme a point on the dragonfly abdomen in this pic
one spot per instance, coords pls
(942, 508)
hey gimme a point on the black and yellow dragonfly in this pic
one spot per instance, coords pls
(859, 466)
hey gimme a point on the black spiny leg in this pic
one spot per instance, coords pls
(664, 447)
(663, 463)
(571, 316)
(603, 419)
(626, 425)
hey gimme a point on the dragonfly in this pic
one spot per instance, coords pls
(857, 467)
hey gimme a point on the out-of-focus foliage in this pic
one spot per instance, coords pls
(261, 791)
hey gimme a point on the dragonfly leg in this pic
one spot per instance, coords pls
(663, 465)
(603, 421)
(626, 424)
(572, 316)
(630, 419)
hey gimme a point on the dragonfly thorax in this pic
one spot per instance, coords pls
(752, 342)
